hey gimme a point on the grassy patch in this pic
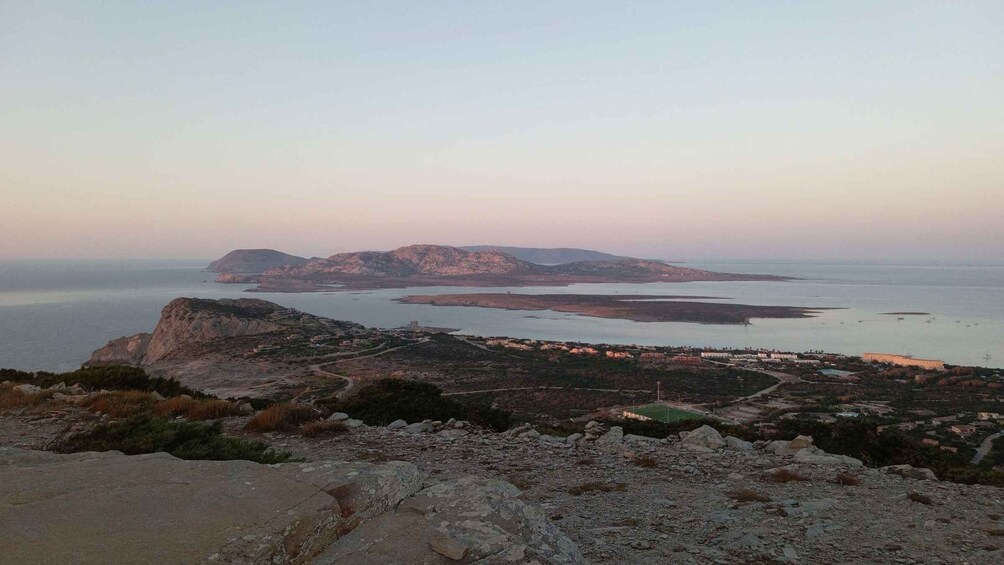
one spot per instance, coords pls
(663, 413)
(10, 398)
(186, 440)
(282, 416)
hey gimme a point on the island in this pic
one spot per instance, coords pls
(441, 265)
(635, 307)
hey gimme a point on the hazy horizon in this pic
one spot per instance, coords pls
(858, 131)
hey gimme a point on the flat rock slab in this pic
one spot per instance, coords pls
(109, 508)
(106, 508)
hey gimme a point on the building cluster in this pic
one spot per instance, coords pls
(758, 357)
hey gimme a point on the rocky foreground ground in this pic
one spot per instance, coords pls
(465, 495)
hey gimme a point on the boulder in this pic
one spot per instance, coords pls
(800, 442)
(397, 425)
(420, 428)
(338, 417)
(573, 438)
(612, 438)
(736, 443)
(704, 438)
(911, 472)
(352, 423)
(815, 456)
(28, 389)
(469, 520)
(156, 396)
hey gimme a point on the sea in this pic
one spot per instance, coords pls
(53, 314)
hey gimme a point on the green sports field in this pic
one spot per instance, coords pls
(664, 413)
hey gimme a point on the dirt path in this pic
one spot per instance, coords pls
(985, 447)
(352, 384)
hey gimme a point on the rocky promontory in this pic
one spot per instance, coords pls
(253, 261)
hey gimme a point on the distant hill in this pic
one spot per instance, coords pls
(413, 260)
(434, 265)
(548, 256)
(254, 261)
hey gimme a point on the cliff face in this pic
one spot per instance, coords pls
(191, 320)
(253, 261)
(414, 260)
(130, 350)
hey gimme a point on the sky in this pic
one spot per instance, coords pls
(680, 130)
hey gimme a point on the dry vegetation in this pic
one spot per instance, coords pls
(596, 486)
(281, 417)
(847, 479)
(323, 428)
(747, 495)
(783, 475)
(645, 461)
(120, 404)
(918, 497)
(10, 398)
(196, 409)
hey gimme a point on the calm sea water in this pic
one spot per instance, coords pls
(53, 314)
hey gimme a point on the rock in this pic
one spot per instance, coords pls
(245, 408)
(736, 443)
(420, 428)
(816, 456)
(573, 438)
(351, 513)
(448, 547)
(645, 440)
(641, 544)
(704, 438)
(530, 434)
(156, 396)
(613, 438)
(910, 472)
(352, 423)
(28, 389)
(486, 518)
(780, 447)
(397, 425)
(338, 417)
(789, 553)
(800, 442)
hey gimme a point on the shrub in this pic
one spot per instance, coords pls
(387, 400)
(645, 461)
(196, 408)
(186, 440)
(109, 377)
(596, 486)
(282, 416)
(847, 479)
(10, 398)
(747, 495)
(120, 404)
(315, 429)
(783, 475)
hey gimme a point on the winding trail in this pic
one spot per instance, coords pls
(351, 383)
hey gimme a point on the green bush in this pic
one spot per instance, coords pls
(107, 377)
(186, 440)
(387, 400)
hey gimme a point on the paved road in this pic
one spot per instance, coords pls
(985, 447)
